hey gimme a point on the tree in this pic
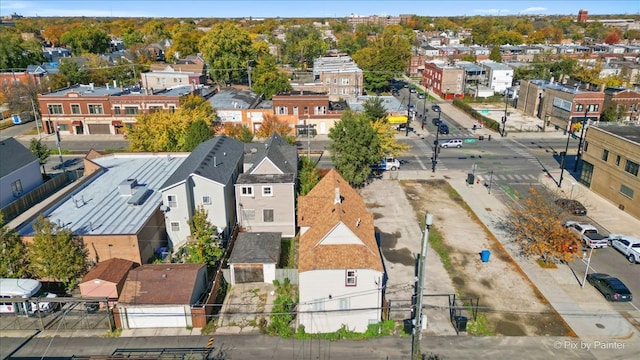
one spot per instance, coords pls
(204, 246)
(535, 224)
(17, 53)
(270, 124)
(482, 31)
(130, 36)
(185, 42)
(354, 147)
(238, 132)
(52, 33)
(227, 48)
(13, 253)
(170, 131)
(612, 38)
(374, 109)
(86, 39)
(389, 146)
(268, 80)
(69, 74)
(56, 253)
(506, 37)
(613, 113)
(303, 45)
(495, 54)
(41, 151)
(308, 175)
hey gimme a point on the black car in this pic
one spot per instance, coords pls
(443, 128)
(572, 206)
(612, 288)
(436, 121)
(435, 108)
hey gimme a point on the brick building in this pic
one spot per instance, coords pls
(315, 110)
(446, 81)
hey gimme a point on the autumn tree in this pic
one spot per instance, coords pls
(308, 175)
(482, 31)
(173, 131)
(52, 33)
(612, 38)
(354, 147)
(185, 42)
(56, 253)
(41, 151)
(204, 246)
(270, 124)
(238, 132)
(13, 253)
(535, 224)
(227, 48)
(69, 73)
(506, 37)
(16, 52)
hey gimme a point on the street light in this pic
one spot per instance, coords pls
(504, 118)
(564, 156)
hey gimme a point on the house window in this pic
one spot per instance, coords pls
(55, 109)
(345, 81)
(267, 191)
(335, 91)
(295, 110)
(16, 187)
(116, 110)
(75, 109)
(248, 214)
(586, 146)
(345, 304)
(63, 127)
(247, 191)
(318, 305)
(631, 167)
(172, 200)
(282, 110)
(593, 108)
(175, 226)
(130, 110)
(95, 109)
(626, 191)
(335, 80)
(153, 109)
(206, 200)
(605, 155)
(578, 107)
(351, 278)
(618, 160)
(267, 215)
(172, 108)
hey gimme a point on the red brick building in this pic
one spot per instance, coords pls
(309, 109)
(446, 81)
(85, 109)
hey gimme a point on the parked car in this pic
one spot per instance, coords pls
(572, 206)
(588, 234)
(443, 128)
(629, 246)
(421, 96)
(412, 90)
(435, 108)
(436, 121)
(612, 288)
(451, 143)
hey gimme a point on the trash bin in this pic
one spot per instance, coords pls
(470, 179)
(484, 255)
(460, 323)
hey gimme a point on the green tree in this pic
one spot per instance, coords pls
(185, 42)
(507, 37)
(130, 36)
(15, 53)
(41, 151)
(13, 253)
(495, 54)
(204, 246)
(56, 253)
(86, 39)
(613, 113)
(198, 132)
(374, 109)
(303, 45)
(282, 313)
(69, 74)
(227, 48)
(308, 175)
(482, 31)
(354, 147)
(268, 79)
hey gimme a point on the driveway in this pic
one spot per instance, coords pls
(245, 308)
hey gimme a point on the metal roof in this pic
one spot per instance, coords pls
(99, 208)
(20, 157)
(215, 159)
(229, 99)
(90, 90)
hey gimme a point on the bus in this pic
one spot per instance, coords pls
(22, 288)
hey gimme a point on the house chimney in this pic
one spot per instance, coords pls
(337, 199)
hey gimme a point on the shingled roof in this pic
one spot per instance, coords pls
(160, 284)
(282, 154)
(112, 270)
(20, 156)
(329, 204)
(214, 159)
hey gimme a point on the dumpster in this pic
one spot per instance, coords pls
(484, 255)
(460, 323)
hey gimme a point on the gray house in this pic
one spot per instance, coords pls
(19, 171)
(266, 191)
(206, 179)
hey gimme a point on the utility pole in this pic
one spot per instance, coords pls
(59, 149)
(436, 148)
(564, 157)
(416, 334)
(406, 130)
(35, 115)
(504, 119)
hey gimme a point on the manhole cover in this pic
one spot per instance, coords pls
(600, 326)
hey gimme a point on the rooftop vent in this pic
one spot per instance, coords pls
(140, 196)
(127, 187)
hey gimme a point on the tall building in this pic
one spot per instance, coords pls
(582, 16)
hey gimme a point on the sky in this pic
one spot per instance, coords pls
(309, 8)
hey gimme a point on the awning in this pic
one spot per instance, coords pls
(76, 123)
(116, 123)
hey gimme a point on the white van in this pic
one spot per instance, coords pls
(451, 143)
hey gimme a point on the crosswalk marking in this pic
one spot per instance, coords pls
(501, 177)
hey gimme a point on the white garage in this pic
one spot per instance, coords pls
(161, 296)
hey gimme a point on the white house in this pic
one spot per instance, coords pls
(206, 178)
(499, 76)
(339, 264)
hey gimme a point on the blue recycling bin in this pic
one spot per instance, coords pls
(484, 255)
